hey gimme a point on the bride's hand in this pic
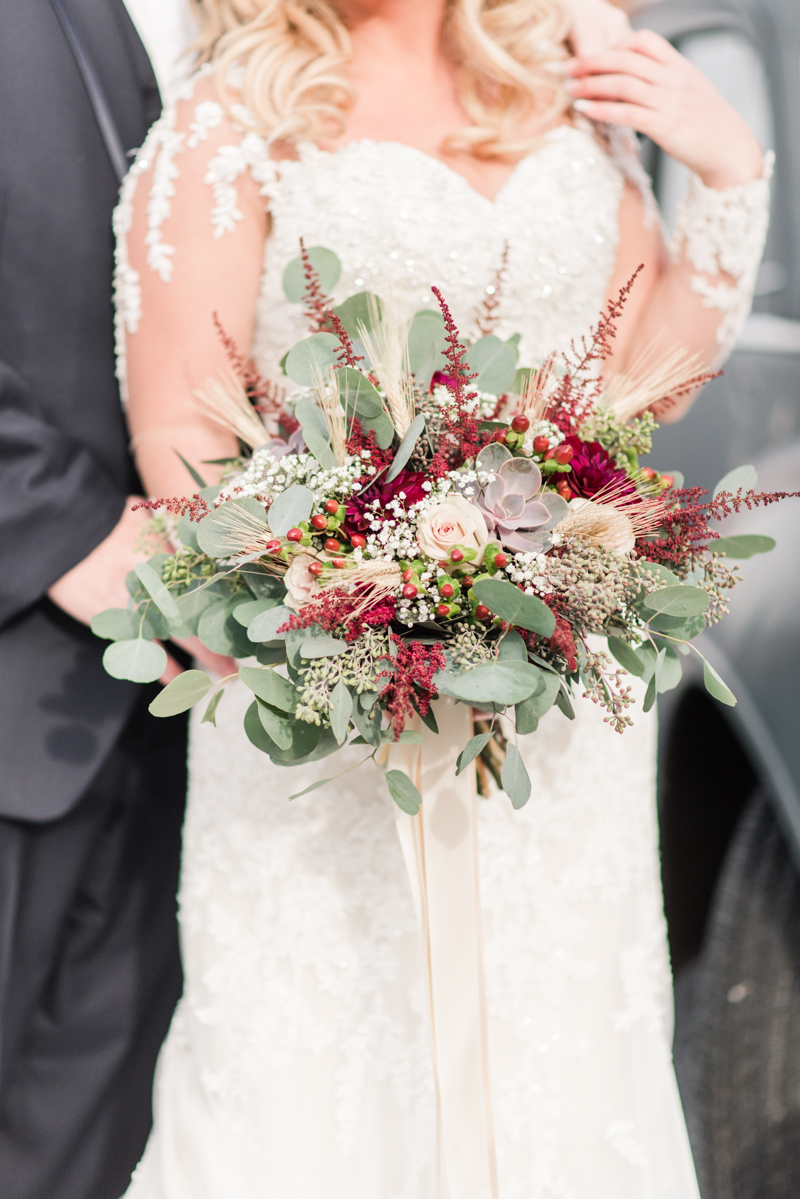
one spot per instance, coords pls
(596, 25)
(646, 84)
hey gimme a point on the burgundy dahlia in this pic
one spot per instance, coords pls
(593, 468)
(359, 507)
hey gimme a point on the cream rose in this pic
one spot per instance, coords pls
(454, 522)
(299, 582)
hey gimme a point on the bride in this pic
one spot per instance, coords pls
(416, 139)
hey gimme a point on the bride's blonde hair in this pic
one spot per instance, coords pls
(295, 55)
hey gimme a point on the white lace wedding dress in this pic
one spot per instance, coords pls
(299, 1063)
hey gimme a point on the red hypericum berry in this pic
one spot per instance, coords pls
(331, 507)
(332, 545)
(564, 454)
(482, 612)
(647, 474)
(410, 590)
(541, 444)
(564, 490)
(501, 560)
(466, 583)
(315, 569)
(499, 435)
(550, 455)
(319, 522)
(339, 563)
(446, 590)
(442, 610)
(408, 575)
(294, 535)
(357, 541)
(520, 424)
(456, 555)
(667, 481)
(503, 625)
(273, 546)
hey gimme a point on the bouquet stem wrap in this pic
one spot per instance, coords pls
(440, 847)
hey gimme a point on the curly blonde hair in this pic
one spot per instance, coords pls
(295, 56)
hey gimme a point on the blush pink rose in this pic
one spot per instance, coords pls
(453, 522)
(300, 584)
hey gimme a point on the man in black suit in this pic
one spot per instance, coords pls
(91, 786)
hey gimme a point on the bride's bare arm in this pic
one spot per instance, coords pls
(699, 294)
(188, 269)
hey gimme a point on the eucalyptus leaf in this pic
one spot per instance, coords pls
(137, 660)
(495, 362)
(305, 740)
(187, 532)
(289, 508)
(743, 545)
(196, 477)
(277, 725)
(742, 478)
(368, 724)
(315, 432)
(262, 582)
(429, 720)
(671, 670)
(210, 714)
(653, 686)
(327, 266)
(407, 737)
(158, 592)
(367, 699)
(273, 653)
(471, 750)
(192, 604)
(626, 656)
(360, 397)
(181, 694)
(678, 601)
(246, 612)
(119, 624)
(426, 340)
(265, 627)
(341, 709)
(271, 687)
(403, 792)
(312, 358)
(508, 602)
(358, 309)
(231, 528)
(525, 718)
(381, 425)
(511, 648)
(716, 687)
(564, 704)
(212, 631)
(515, 778)
(504, 683)
(324, 646)
(540, 703)
(406, 447)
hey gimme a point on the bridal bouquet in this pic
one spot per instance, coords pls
(414, 516)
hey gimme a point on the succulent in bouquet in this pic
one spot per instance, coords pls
(415, 515)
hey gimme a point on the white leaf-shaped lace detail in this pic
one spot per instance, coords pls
(725, 231)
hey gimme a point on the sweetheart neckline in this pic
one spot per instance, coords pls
(311, 148)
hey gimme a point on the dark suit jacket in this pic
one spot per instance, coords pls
(64, 463)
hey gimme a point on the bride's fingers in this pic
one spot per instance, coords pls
(614, 87)
(617, 62)
(634, 116)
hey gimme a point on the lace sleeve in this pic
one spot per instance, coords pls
(723, 232)
(191, 229)
(184, 126)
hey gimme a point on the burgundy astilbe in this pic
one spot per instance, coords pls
(195, 507)
(317, 304)
(347, 352)
(487, 316)
(410, 682)
(267, 398)
(579, 388)
(358, 441)
(460, 437)
(687, 532)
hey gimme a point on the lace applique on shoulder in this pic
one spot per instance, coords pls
(161, 150)
(725, 231)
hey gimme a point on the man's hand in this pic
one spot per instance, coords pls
(98, 582)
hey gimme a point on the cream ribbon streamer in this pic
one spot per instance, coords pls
(440, 847)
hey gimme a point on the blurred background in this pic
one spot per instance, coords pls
(730, 777)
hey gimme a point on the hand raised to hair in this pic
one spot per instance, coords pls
(596, 25)
(646, 84)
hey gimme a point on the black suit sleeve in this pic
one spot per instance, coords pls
(57, 503)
